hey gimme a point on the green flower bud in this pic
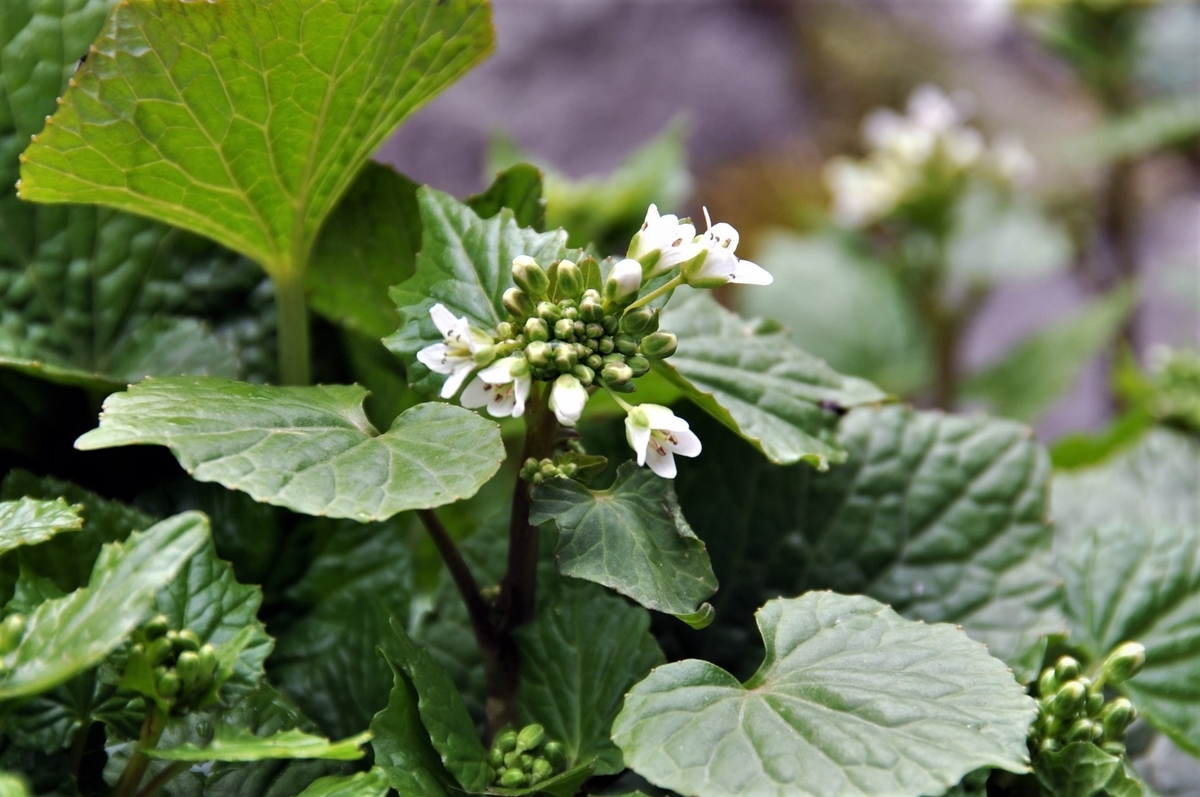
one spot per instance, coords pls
(518, 303)
(580, 329)
(11, 631)
(565, 358)
(531, 736)
(571, 314)
(549, 312)
(570, 279)
(536, 329)
(1115, 749)
(1068, 700)
(155, 627)
(1066, 669)
(641, 321)
(606, 346)
(208, 662)
(538, 354)
(173, 637)
(555, 753)
(541, 770)
(507, 741)
(658, 345)
(1124, 662)
(1049, 745)
(593, 344)
(525, 761)
(1047, 683)
(168, 685)
(593, 330)
(495, 758)
(188, 640)
(158, 651)
(189, 670)
(591, 309)
(1095, 702)
(1116, 717)
(585, 375)
(530, 277)
(510, 758)
(615, 358)
(505, 331)
(594, 361)
(626, 343)
(484, 354)
(638, 364)
(616, 373)
(1081, 731)
(513, 779)
(564, 329)
(611, 324)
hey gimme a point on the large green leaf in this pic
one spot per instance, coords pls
(1028, 380)
(1142, 583)
(66, 636)
(28, 521)
(309, 449)
(465, 264)
(583, 651)
(444, 715)
(230, 743)
(90, 296)
(364, 784)
(942, 517)
(1004, 238)
(631, 537)
(246, 122)
(750, 377)
(368, 245)
(402, 746)
(851, 699)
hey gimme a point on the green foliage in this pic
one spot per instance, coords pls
(1081, 769)
(631, 537)
(238, 744)
(402, 746)
(310, 449)
(364, 784)
(811, 718)
(29, 522)
(320, 85)
(750, 377)
(999, 238)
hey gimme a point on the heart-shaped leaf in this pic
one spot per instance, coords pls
(28, 521)
(851, 699)
(309, 449)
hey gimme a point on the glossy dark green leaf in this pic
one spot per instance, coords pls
(518, 188)
(402, 747)
(631, 537)
(750, 377)
(465, 264)
(364, 784)
(249, 122)
(66, 636)
(583, 651)
(814, 719)
(28, 521)
(310, 449)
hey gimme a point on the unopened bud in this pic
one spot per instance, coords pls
(518, 303)
(536, 329)
(530, 277)
(584, 374)
(623, 283)
(505, 331)
(611, 324)
(188, 640)
(638, 364)
(641, 321)
(1048, 683)
(1066, 669)
(1115, 749)
(156, 626)
(187, 665)
(594, 361)
(593, 330)
(507, 741)
(570, 280)
(1068, 699)
(1095, 702)
(565, 358)
(168, 685)
(555, 753)
(626, 344)
(208, 661)
(531, 736)
(658, 345)
(11, 631)
(541, 770)
(538, 353)
(484, 354)
(549, 312)
(1082, 731)
(590, 308)
(616, 373)
(1124, 662)
(564, 329)
(495, 758)
(513, 778)
(606, 346)
(1049, 745)
(1116, 717)
(158, 651)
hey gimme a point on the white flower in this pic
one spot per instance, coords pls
(675, 242)
(862, 192)
(502, 387)
(656, 434)
(455, 355)
(567, 399)
(719, 264)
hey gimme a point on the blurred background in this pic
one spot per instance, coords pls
(1019, 233)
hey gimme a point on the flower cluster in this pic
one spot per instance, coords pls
(1072, 707)
(576, 333)
(516, 762)
(916, 154)
(181, 670)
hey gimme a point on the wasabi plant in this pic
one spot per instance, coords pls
(594, 533)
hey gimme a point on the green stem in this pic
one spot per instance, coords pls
(291, 313)
(135, 770)
(78, 745)
(670, 285)
(162, 778)
(622, 403)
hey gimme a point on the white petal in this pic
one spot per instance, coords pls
(723, 235)
(443, 319)
(638, 437)
(521, 387)
(567, 399)
(437, 358)
(499, 372)
(477, 394)
(501, 401)
(461, 372)
(748, 273)
(719, 262)
(685, 443)
(628, 276)
(662, 463)
(661, 417)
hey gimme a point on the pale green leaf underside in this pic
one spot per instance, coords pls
(752, 378)
(309, 449)
(851, 699)
(364, 784)
(465, 264)
(1142, 583)
(68, 635)
(245, 122)
(631, 537)
(28, 521)
(238, 744)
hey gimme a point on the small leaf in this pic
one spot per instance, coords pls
(364, 784)
(1032, 377)
(231, 743)
(1127, 583)
(518, 188)
(28, 521)
(751, 378)
(402, 747)
(66, 636)
(631, 537)
(246, 125)
(813, 719)
(444, 715)
(1081, 769)
(309, 449)
(583, 651)
(465, 264)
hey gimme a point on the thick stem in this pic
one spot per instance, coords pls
(135, 770)
(291, 313)
(78, 746)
